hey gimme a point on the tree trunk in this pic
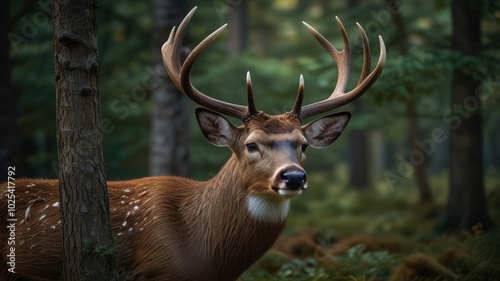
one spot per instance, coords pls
(466, 205)
(418, 158)
(358, 155)
(238, 28)
(419, 162)
(358, 142)
(169, 153)
(87, 242)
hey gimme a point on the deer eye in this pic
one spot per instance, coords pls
(304, 147)
(251, 147)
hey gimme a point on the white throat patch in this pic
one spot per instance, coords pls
(267, 210)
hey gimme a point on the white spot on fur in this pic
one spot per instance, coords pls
(27, 212)
(30, 185)
(55, 204)
(268, 210)
(42, 217)
(124, 223)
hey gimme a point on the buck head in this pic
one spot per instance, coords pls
(271, 148)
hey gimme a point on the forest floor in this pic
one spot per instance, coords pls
(379, 233)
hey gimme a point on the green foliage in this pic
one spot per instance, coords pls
(295, 270)
(279, 50)
(336, 213)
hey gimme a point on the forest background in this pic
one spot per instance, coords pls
(387, 176)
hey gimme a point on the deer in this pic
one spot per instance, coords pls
(174, 228)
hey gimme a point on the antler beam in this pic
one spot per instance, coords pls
(343, 59)
(180, 74)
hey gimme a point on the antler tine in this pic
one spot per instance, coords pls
(180, 74)
(297, 107)
(338, 96)
(252, 109)
(367, 55)
(342, 58)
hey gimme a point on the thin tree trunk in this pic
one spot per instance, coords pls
(169, 153)
(466, 205)
(419, 164)
(238, 28)
(358, 144)
(358, 155)
(87, 242)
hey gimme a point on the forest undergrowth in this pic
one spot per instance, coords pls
(379, 233)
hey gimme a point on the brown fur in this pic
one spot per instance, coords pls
(157, 242)
(169, 228)
(172, 228)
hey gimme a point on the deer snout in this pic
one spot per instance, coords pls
(294, 179)
(290, 181)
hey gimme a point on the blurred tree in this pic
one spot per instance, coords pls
(238, 28)
(466, 205)
(86, 230)
(420, 167)
(358, 144)
(169, 151)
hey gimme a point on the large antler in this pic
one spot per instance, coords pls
(180, 74)
(343, 60)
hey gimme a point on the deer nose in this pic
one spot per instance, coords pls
(294, 179)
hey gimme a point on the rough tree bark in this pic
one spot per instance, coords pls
(169, 152)
(466, 205)
(86, 231)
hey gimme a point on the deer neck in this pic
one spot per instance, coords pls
(231, 187)
(230, 230)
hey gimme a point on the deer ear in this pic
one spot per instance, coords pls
(325, 130)
(216, 129)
